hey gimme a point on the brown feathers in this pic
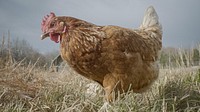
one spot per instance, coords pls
(115, 57)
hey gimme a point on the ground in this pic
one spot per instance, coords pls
(35, 89)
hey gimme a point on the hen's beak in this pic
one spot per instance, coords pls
(45, 35)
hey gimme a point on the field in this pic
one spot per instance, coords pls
(28, 85)
(36, 90)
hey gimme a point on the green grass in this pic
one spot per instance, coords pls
(30, 89)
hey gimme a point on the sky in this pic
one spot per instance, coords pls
(180, 19)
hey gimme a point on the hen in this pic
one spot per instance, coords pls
(117, 58)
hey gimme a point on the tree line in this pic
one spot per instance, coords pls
(14, 50)
(180, 57)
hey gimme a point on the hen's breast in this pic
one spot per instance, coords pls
(83, 52)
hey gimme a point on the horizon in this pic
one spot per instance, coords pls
(194, 46)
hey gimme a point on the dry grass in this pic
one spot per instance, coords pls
(32, 89)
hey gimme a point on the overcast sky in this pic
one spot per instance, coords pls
(180, 18)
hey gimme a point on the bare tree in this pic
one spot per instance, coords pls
(10, 59)
(2, 44)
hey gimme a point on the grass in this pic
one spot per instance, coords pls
(30, 89)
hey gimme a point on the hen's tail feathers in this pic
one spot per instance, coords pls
(150, 19)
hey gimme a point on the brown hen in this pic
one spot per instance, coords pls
(117, 58)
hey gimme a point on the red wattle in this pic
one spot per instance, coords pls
(54, 37)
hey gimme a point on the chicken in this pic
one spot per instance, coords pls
(56, 62)
(118, 58)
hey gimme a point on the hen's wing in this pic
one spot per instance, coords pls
(133, 41)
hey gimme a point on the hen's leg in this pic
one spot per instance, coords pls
(110, 84)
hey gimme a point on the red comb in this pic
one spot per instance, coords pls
(46, 19)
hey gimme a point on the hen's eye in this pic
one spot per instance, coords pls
(52, 24)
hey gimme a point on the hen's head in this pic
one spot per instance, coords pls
(52, 27)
